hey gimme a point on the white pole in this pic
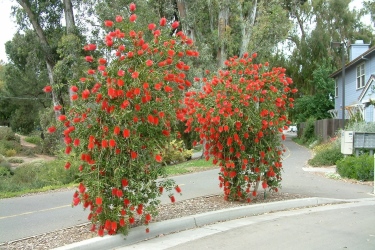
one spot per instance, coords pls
(374, 173)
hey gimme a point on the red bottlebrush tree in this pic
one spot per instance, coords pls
(240, 116)
(116, 126)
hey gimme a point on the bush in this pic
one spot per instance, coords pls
(37, 140)
(52, 141)
(308, 134)
(359, 168)
(5, 146)
(8, 135)
(175, 152)
(327, 156)
(15, 160)
(4, 171)
(10, 153)
(36, 175)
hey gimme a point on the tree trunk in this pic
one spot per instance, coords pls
(183, 12)
(247, 24)
(70, 30)
(25, 4)
(223, 23)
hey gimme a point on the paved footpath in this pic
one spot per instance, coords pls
(27, 216)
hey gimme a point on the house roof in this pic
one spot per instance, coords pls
(367, 86)
(354, 61)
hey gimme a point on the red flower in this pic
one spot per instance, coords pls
(149, 63)
(158, 158)
(151, 26)
(112, 143)
(163, 21)
(124, 182)
(131, 220)
(116, 130)
(132, 7)
(51, 129)
(102, 61)
(74, 88)
(126, 133)
(85, 94)
(67, 165)
(118, 18)
(62, 118)
(178, 189)
(47, 89)
(133, 155)
(172, 199)
(89, 59)
(90, 47)
(147, 217)
(175, 24)
(76, 142)
(135, 74)
(108, 23)
(121, 72)
(132, 18)
(98, 201)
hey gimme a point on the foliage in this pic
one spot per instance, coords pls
(357, 167)
(7, 134)
(308, 132)
(317, 105)
(35, 175)
(15, 160)
(326, 154)
(239, 116)
(37, 140)
(10, 153)
(189, 166)
(128, 100)
(52, 141)
(362, 126)
(175, 152)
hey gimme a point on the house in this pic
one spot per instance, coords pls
(359, 84)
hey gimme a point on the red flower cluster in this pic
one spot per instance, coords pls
(242, 130)
(123, 113)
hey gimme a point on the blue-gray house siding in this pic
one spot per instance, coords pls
(357, 98)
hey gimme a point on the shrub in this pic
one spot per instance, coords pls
(239, 116)
(4, 171)
(52, 141)
(327, 154)
(308, 134)
(175, 152)
(9, 145)
(8, 135)
(38, 174)
(37, 140)
(359, 168)
(15, 160)
(123, 113)
(10, 153)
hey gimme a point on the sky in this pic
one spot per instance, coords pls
(8, 27)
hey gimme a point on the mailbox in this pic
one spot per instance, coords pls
(347, 142)
(364, 140)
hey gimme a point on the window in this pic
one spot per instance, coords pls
(336, 88)
(361, 76)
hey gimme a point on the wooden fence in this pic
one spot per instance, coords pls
(324, 129)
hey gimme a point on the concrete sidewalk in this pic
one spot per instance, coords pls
(298, 178)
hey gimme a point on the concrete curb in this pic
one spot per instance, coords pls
(180, 224)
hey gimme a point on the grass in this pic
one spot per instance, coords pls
(189, 167)
(34, 140)
(41, 176)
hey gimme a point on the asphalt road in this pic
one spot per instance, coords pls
(27, 216)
